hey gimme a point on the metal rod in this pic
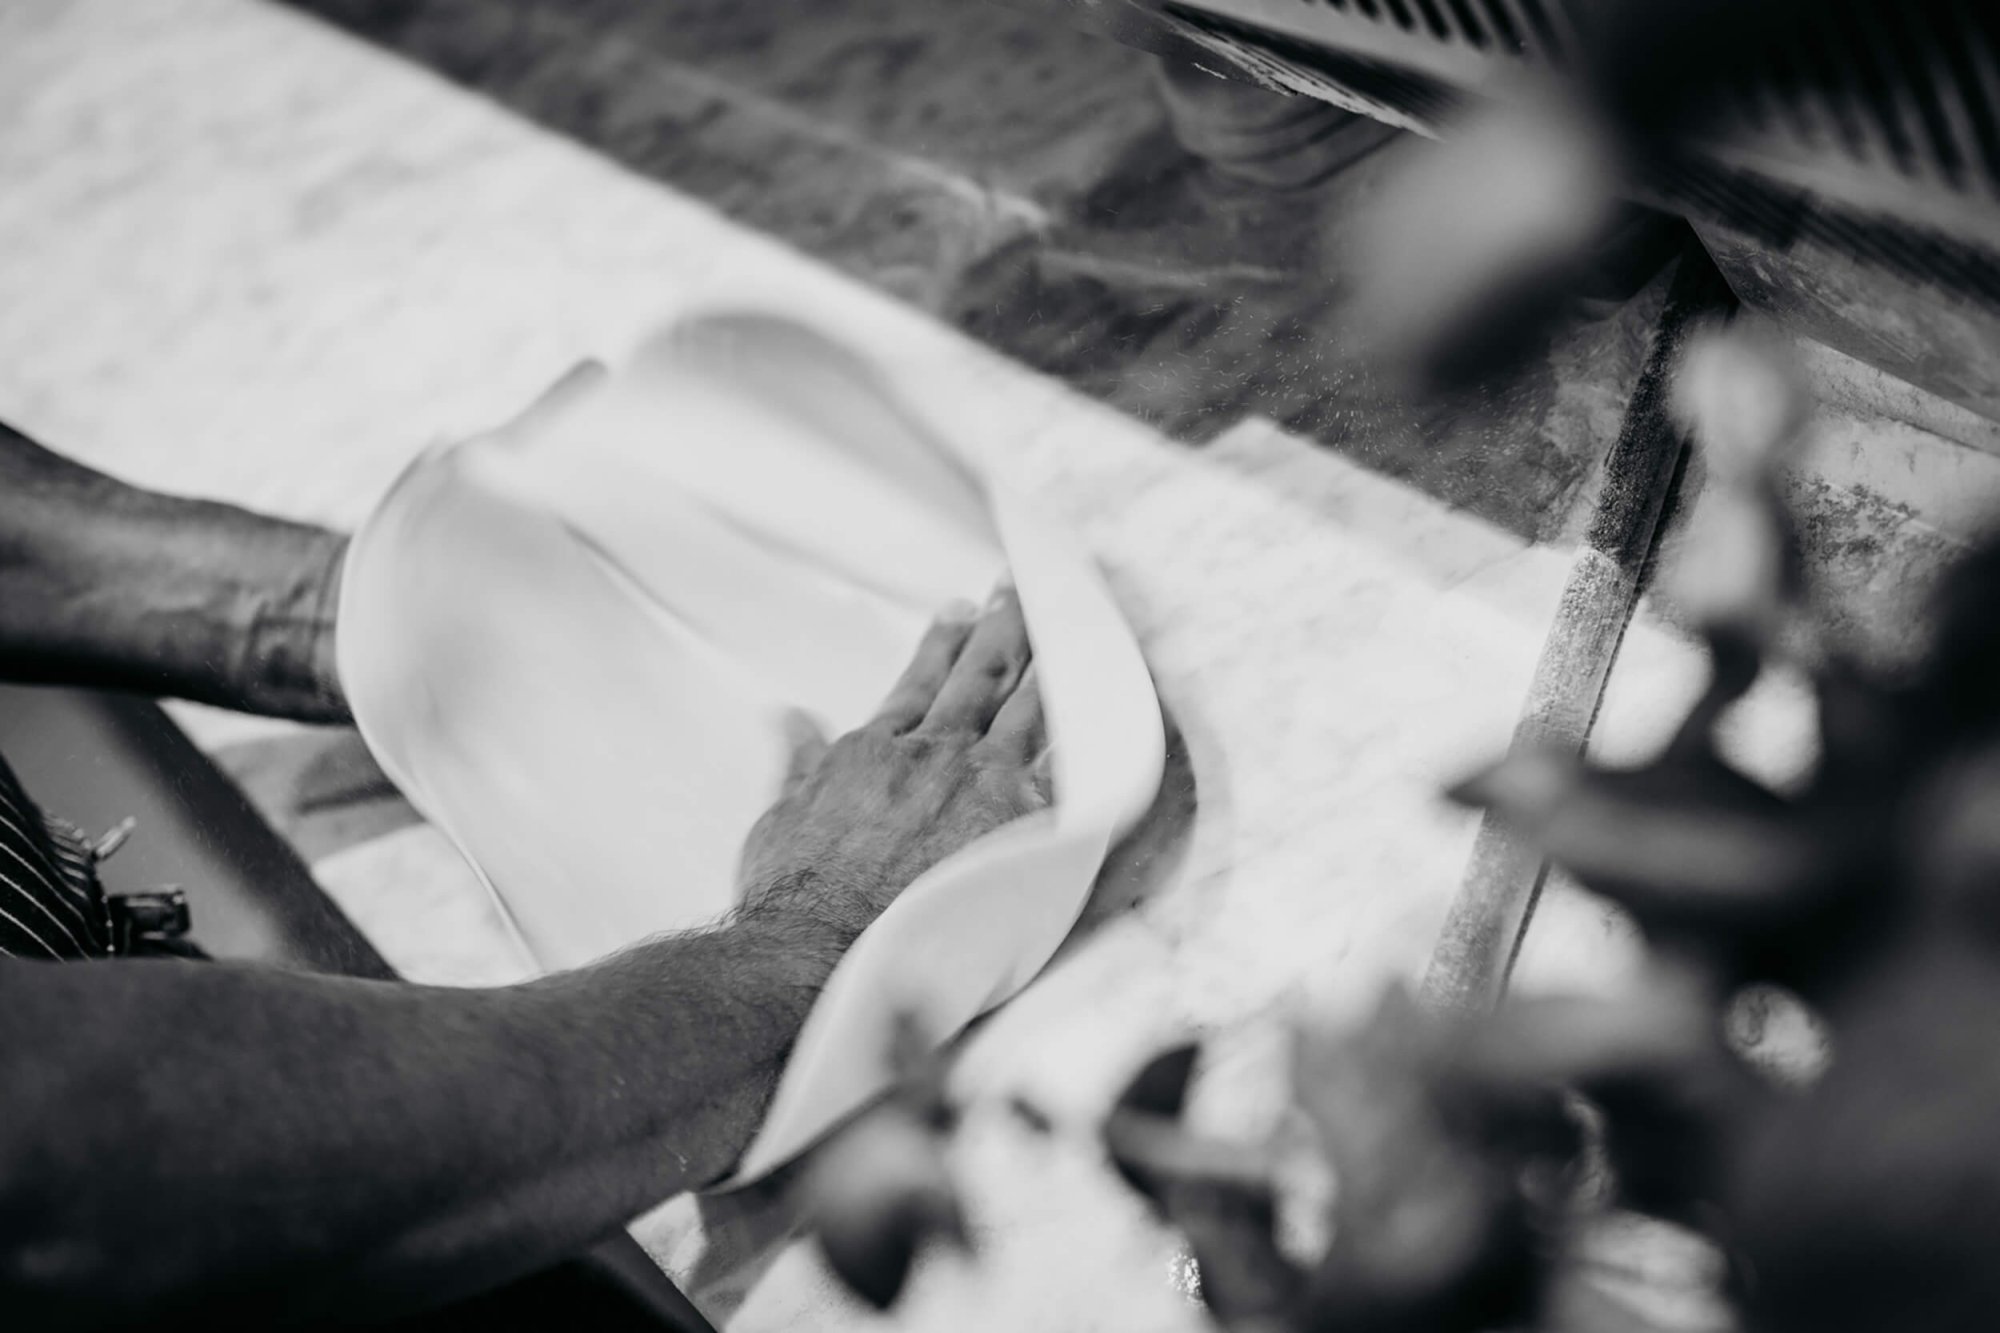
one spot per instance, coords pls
(1503, 878)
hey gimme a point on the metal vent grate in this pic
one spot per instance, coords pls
(1399, 93)
(1911, 91)
(1888, 111)
(1913, 87)
(1779, 216)
(1520, 27)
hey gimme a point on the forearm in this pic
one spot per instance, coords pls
(177, 1131)
(106, 584)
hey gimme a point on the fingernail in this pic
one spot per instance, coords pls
(1000, 595)
(957, 611)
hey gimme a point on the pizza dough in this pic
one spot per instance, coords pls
(574, 643)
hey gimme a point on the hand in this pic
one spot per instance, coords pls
(957, 750)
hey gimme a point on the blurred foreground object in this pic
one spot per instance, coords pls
(1841, 161)
(1868, 1199)
(1454, 1171)
(1856, 1196)
(880, 1191)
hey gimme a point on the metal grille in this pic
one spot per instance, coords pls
(1779, 215)
(1527, 28)
(1861, 103)
(1899, 91)
(1890, 109)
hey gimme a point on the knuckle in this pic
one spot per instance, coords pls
(873, 740)
(924, 753)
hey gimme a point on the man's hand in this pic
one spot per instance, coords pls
(445, 1139)
(956, 750)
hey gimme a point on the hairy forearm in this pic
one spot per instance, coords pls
(103, 583)
(181, 1132)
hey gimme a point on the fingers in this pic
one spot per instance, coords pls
(911, 698)
(1020, 735)
(808, 747)
(1018, 731)
(987, 669)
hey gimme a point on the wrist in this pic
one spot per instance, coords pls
(240, 611)
(825, 916)
(104, 583)
(286, 664)
(790, 924)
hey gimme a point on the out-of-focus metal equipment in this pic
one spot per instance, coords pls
(1840, 160)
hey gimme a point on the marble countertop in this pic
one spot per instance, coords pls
(243, 256)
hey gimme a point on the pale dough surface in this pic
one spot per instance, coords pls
(575, 644)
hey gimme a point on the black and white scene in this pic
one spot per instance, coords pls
(1000, 666)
